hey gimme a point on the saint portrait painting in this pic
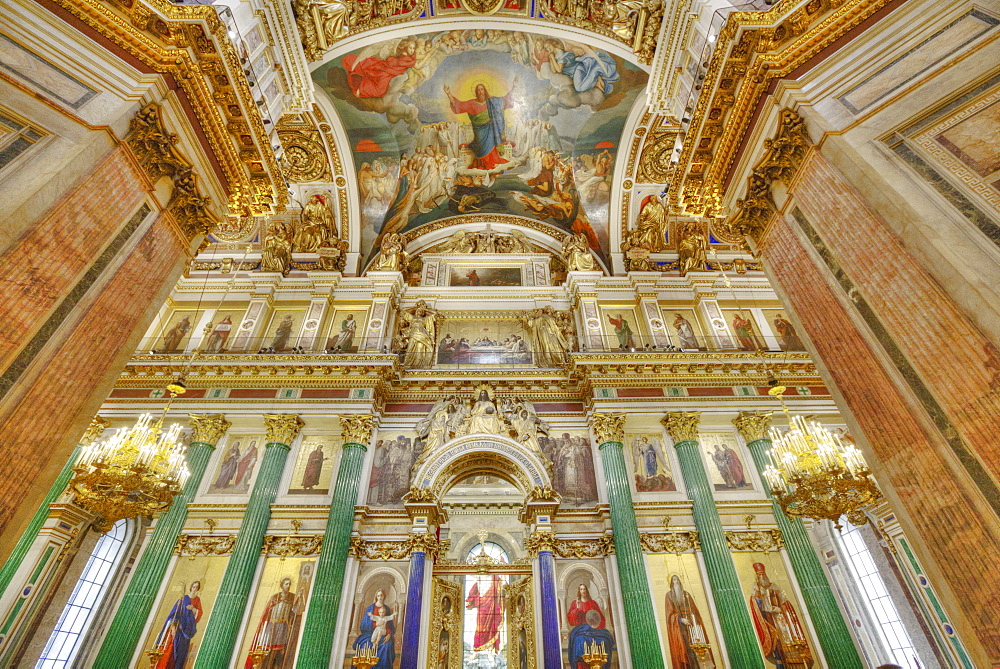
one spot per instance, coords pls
(174, 639)
(377, 632)
(652, 473)
(275, 639)
(588, 626)
(780, 632)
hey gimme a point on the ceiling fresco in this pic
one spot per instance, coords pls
(482, 121)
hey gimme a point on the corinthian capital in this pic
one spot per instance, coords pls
(95, 430)
(682, 425)
(608, 427)
(357, 429)
(282, 429)
(753, 425)
(208, 427)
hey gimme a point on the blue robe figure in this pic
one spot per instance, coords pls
(178, 630)
(378, 630)
(587, 70)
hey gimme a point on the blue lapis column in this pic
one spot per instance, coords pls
(551, 651)
(421, 545)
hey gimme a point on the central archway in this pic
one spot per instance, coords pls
(483, 454)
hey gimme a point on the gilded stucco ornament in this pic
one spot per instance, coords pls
(192, 545)
(282, 429)
(94, 431)
(657, 150)
(292, 546)
(374, 549)
(682, 425)
(208, 428)
(608, 427)
(675, 541)
(758, 541)
(539, 541)
(753, 425)
(357, 429)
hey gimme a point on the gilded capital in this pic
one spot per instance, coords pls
(208, 427)
(95, 430)
(539, 541)
(608, 427)
(357, 429)
(682, 425)
(753, 425)
(281, 428)
(423, 542)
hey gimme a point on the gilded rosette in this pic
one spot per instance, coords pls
(208, 428)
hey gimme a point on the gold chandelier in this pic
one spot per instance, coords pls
(137, 471)
(814, 474)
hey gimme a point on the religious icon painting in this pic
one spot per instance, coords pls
(586, 607)
(393, 457)
(685, 330)
(779, 619)
(484, 276)
(377, 613)
(177, 332)
(650, 464)
(573, 467)
(236, 463)
(725, 461)
(622, 327)
(483, 341)
(178, 624)
(314, 465)
(784, 331)
(686, 622)
(272, 632)
(346, 329)
(745, 331)
(224, 326)
(282, 333)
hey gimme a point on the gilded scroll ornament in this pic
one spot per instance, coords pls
(305, 158)
(676, 542)
(193, 545)
(208, 428)
(540, 494)
(657, 150)
(366, 549)
(584, 548)
(682, 425)
(753, 425)
(420, 496)
(282, 429)
(759, 541)
(94, 431)
(322, 23)
(357, 429)
(292, 546)
(608, 427)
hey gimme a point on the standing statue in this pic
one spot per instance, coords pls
(652, 226)
(547, 339)
(391, 257)
(277, 253)
(692, 249)
(418, 330)
(576, 254)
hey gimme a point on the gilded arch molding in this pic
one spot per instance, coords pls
(482, 453)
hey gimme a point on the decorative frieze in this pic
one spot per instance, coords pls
(192, 545)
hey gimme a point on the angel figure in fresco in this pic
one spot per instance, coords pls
(588, 627)
(586, 67)
(378, 632)
(486, 114)
(779, 631)
(174, 640)
(370, 77)
(172, 339)
(685, 629)
(489, 614)
(277, 632)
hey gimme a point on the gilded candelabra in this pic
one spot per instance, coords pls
(366, 657)
(594, 655)
(137, 471)
(814, 474)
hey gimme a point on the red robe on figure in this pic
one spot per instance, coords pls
(490, 615)
(370, 77)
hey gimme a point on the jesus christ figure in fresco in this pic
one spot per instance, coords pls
(488, 123)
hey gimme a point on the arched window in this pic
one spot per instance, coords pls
(889, 625)
(492, 549)
(81, 609)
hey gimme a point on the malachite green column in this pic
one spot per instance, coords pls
(643, 636)
(328, 587)
(97, 427)
(734, 616)
(227, 613)
(125, 631)
(834, 635)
